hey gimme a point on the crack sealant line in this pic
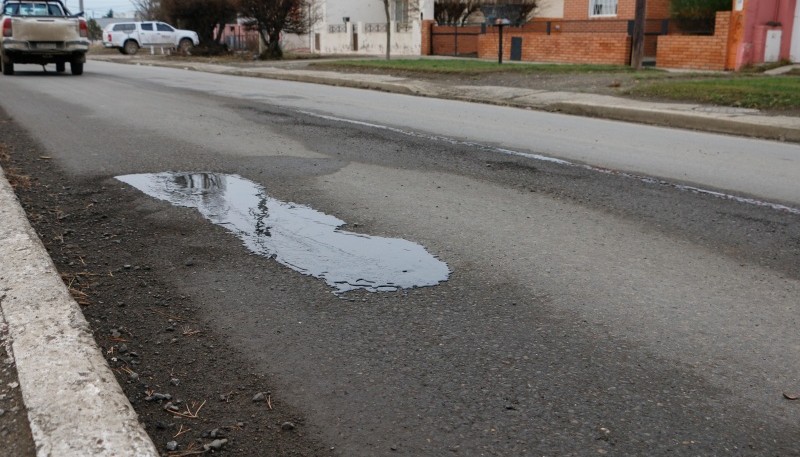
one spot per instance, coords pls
(544, 158)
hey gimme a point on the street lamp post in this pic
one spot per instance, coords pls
(501, 23)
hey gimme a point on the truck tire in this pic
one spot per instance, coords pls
(8, 67)
(131, 47)
(61, 67)
(185, 46)
(77, 67)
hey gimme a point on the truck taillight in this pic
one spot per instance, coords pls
(109, 37)
(83, 29)
(7, 27)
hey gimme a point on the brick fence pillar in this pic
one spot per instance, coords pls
(427, 32)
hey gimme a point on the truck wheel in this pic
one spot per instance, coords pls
(76, 67)
(185, 46)
(8, 67)
(131, 47)
(60, 67)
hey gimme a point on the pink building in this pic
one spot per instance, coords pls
(767, 31)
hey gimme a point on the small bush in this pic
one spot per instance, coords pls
(697, 16)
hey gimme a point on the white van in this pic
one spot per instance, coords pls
(128, 37)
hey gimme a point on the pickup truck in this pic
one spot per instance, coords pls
(128, 37)
(42, 32)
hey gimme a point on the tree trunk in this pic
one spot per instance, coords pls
(273, 50)
(388, 30)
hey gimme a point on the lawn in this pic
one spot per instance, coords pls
(761, 92)
(746, 89)
(470, 67)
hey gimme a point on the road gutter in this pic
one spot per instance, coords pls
(75, 405)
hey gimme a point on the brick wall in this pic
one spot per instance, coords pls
(694, 51)
(576, 9)
(650, 45)
(610, 48)
(658, 9)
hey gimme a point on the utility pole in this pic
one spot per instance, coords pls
(637, 40)
(80, 7)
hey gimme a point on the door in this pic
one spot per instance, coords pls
(147, 34)
(516, 48)
(166, 34)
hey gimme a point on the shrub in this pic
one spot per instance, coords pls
(697, 16)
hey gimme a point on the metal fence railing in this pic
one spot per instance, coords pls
(241, 41)
(376, 27)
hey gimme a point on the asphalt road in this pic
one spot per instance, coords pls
(586, 311)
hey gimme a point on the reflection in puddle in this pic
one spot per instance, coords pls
(297, 236)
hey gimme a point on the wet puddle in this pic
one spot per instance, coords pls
(297, 236)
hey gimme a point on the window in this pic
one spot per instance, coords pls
(54, 10)
(147, 27)
(33, 9)
(124, 27)
(602, 7)
(164, 27)
(401, 11)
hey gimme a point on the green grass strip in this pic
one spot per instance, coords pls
(761, 92)
(471, 67)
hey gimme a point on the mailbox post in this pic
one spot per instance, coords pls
(501, 23)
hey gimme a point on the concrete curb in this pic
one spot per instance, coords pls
(757, 126)
(75, 405)
(680, 120)
(340, 82)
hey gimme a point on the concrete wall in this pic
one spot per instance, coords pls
(294, 42)
(371, 10)
(550, 8)
(357, 10)
(373, 43)
(359, 35)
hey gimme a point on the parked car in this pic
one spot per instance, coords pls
(128, 37)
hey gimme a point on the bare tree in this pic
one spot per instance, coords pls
(525, 10)
(388, 30)
(455, 12)
(148, 10)
(272, 17)
(517, 11)
(412, 8)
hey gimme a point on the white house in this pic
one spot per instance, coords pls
(359, 26)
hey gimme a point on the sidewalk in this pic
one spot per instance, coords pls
(717, 119)
(74, 405)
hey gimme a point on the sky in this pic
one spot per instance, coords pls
(99, 8)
